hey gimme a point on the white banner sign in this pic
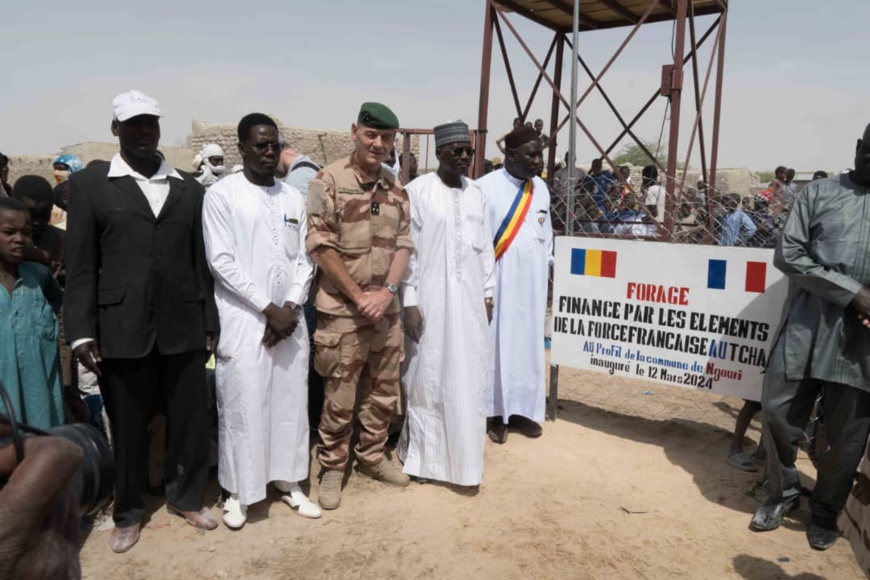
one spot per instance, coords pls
(700, 317)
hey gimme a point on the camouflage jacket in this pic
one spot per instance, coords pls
(364, 221)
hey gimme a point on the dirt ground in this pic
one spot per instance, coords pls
(630, 482)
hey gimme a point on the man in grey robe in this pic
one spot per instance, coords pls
(821, 346)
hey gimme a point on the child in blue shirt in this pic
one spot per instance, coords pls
(29, 300)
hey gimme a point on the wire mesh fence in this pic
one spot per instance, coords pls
(617, 204)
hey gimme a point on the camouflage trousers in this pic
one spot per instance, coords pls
(346, 349)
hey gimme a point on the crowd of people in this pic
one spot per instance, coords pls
(317, 290)
(336, 299)
(605, 201)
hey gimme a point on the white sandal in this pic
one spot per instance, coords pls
(292, 495)
(235, 512)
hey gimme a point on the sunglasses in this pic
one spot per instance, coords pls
(458, 151)
(261, 148)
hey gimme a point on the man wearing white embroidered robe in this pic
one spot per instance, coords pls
(524, 255)
(254, 229)
(449, 285)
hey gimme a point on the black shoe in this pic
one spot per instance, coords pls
(769, 515)
(821, 538)
(497, 430)
(525, 426)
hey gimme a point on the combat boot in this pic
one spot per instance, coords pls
(385, 472)
(329, 496)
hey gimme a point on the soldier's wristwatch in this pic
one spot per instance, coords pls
(392, 288)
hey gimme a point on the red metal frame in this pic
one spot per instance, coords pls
(683, 13)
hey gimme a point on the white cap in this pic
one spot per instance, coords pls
(133, 103)
(211, 150)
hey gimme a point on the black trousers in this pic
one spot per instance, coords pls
(315, 381)
(132, 390)
(787, 406)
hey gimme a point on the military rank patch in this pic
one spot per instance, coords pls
(316, 191)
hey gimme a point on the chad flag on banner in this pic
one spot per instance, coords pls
(600, 263)
(755, 279)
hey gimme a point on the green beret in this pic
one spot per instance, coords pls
(377, 116)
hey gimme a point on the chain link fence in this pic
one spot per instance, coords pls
(629, 204)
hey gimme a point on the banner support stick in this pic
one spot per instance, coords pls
(552, 405)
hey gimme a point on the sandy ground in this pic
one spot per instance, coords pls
(624, 485)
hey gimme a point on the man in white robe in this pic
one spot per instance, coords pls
(524, 254)
(209, 165)
(449, 284)
(254, 228)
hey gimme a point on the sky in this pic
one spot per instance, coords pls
(795, 86)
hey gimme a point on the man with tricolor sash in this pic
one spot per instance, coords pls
(518, 209)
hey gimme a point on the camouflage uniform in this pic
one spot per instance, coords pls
(365, 222)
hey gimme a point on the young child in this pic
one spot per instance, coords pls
(49, 249)
(29, 300)
(737, 457)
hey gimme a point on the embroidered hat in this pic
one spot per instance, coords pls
(453, 132)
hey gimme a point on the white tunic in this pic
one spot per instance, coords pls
(517, 385)
(255, 242)
(448, 277)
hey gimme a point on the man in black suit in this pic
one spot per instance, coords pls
(140, 313)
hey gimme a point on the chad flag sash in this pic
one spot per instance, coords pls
(513, 221)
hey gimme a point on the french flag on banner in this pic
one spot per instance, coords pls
(755, 278)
